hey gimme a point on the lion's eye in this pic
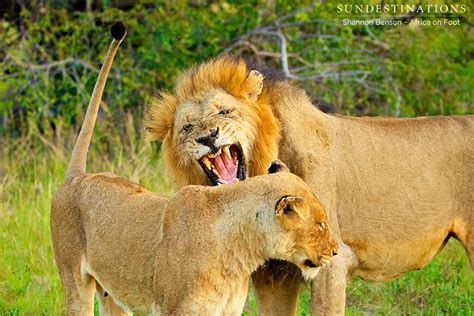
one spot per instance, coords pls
(187, 127)
(224, 111)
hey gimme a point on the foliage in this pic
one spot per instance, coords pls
(162, 40)
(50, 58)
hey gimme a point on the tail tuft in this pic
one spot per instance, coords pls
(118, 30)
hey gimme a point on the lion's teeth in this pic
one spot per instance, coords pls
(226, 151)
(206, 162)
(215, 155)
(218, 153)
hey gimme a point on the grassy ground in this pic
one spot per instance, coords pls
(29, 283)
(445, 286)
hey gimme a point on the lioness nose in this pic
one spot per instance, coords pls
(209, 139)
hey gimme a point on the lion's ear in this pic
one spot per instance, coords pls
(277, 166)
(159, 116)
(254, 84)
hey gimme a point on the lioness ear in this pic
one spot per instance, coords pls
(159, 117)
(254, 84)
(286, 206)
(277, 166)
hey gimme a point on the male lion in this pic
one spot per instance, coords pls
(192, 254)
(395, 189)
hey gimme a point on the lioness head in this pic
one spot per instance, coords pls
(288, 218)
(216, 128)
(304, 220)
(302, 217)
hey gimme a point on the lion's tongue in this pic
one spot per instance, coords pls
(226, 169)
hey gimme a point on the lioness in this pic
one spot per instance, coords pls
(191, 254)
(395, 189)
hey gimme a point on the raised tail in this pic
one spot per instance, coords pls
(77, 164)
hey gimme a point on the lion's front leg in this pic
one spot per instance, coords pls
(276, 287)
(328, 291)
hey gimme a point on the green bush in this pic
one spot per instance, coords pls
(162, 40)
(51, 58)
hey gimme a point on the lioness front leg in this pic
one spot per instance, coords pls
(328, 291)
(276, 288)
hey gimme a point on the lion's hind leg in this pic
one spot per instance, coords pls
(463, 230)
(463, 225)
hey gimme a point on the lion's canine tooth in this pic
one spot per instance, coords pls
(206, 162)
(226, 151)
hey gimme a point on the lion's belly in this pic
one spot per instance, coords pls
(383, 255)
(395, 226)
(395, 232)
(397, 201)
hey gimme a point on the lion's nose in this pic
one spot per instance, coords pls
(209, 139)
(334, 252)
(214, 132)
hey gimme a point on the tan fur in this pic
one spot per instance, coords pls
(395, 189)
(191, 254)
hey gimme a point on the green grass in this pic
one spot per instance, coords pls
(445, 286)
(29, 283)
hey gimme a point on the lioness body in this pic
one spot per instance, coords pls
(395, 189)
(190, 254)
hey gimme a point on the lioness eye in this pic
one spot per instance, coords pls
(187, 127)
(224, 111)
(288, 209)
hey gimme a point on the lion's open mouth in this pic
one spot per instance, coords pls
(225, 166)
